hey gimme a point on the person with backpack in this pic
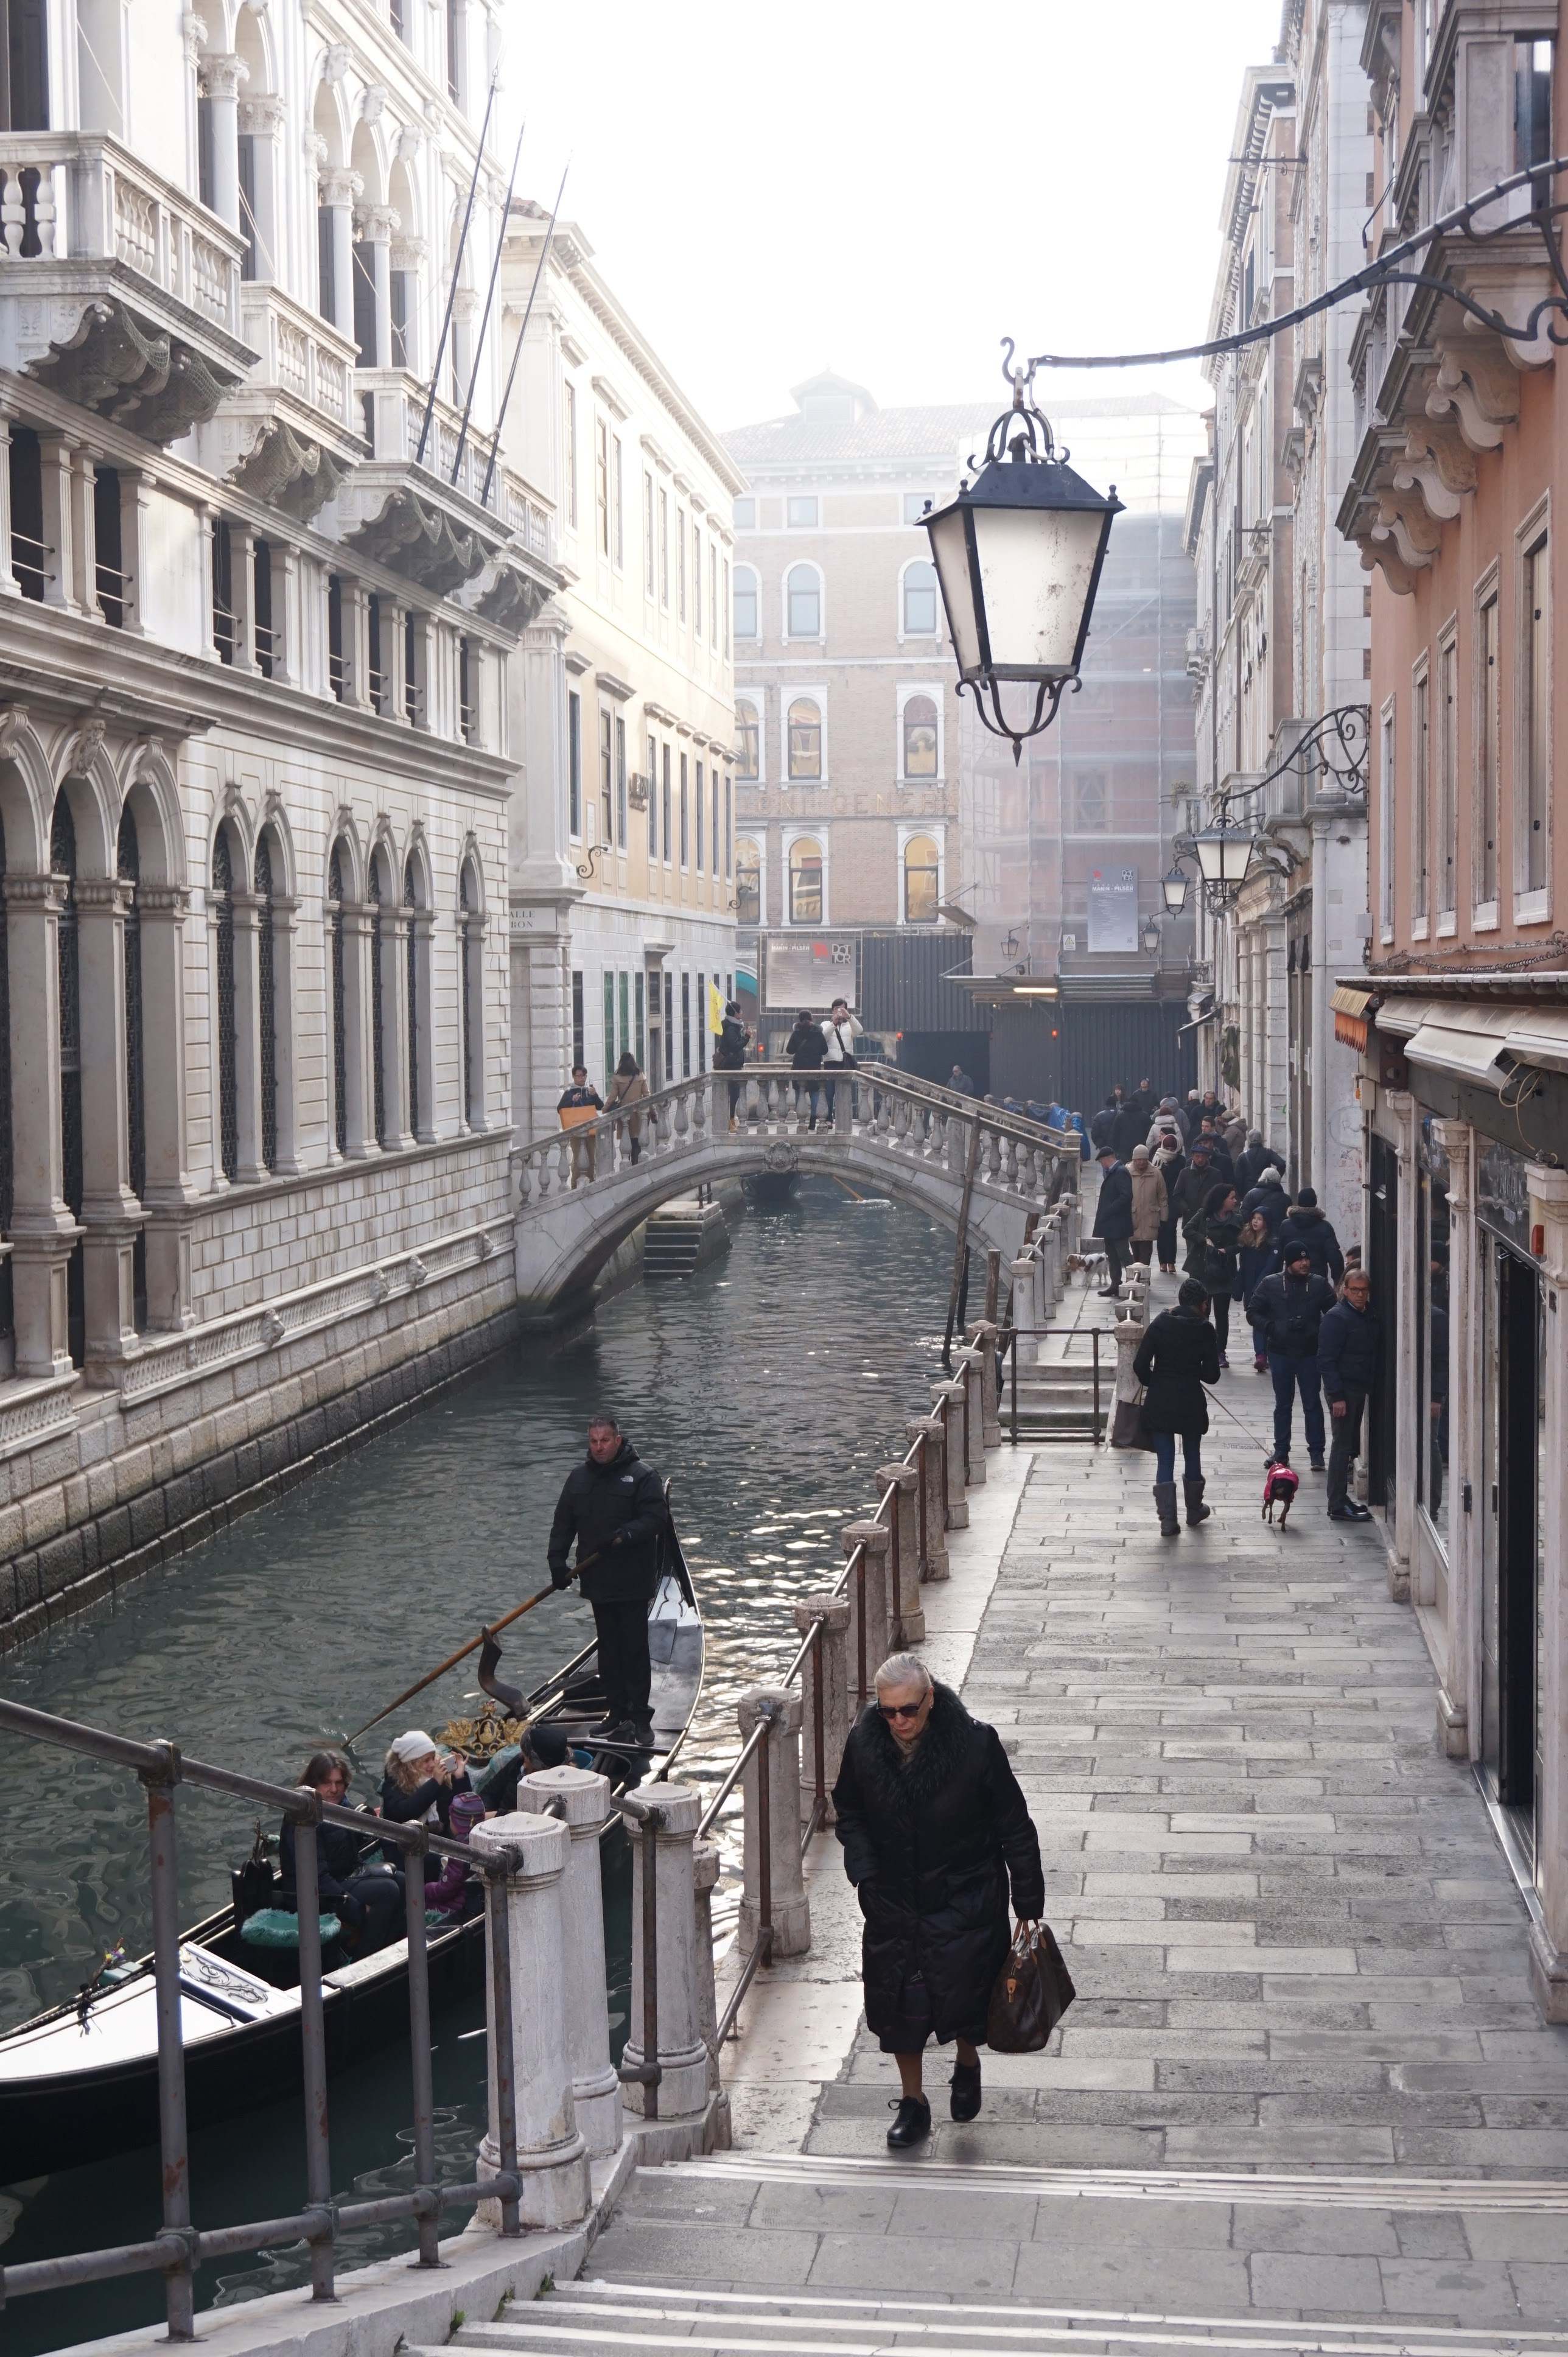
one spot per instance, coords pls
(1286, 1313)
(805, 1048)
(1306, 1223)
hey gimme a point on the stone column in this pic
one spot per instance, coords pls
(170, 1196)
(584, 1799)
(135, 500)
(394, 703)
(358, 1069)
(110, 1211)
(1458, 1698)
(337, 192)
(84, 535)
(935, 1564)
(286, 926)
(288, 635)
(57, 454)
(1548, 1938)
(43, 1231)
(356, 611)
(873, 1536)
(705, 1866)
(948, 1400)
(242, 595)
(789, 1912)
(683, 2056)
(396, 933)
(249, 910)
(905, 1609)
(221, 80)
(376, 223)
(824, 1671)
(551, 2158)
(9, 585)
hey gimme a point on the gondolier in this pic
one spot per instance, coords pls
(613, 1506)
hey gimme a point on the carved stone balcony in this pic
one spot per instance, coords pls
(122, 293)
(291, 433)
(405, 512)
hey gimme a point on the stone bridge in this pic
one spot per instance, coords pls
(888, 1135)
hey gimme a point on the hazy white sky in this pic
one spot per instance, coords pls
(889, 189)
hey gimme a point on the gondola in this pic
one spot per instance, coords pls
(79, 2081)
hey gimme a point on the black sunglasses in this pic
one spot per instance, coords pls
(903, 1709)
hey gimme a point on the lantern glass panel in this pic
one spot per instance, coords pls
(949, 550)
(1036, 566)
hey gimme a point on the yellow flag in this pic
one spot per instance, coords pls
(715, 1009)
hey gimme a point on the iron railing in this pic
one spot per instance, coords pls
(179, 2248)
(1008, 1341)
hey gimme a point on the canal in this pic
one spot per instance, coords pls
(769, 1387)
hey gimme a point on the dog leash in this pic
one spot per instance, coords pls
(1261, 1446)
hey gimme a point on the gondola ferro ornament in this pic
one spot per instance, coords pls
(1018, 555)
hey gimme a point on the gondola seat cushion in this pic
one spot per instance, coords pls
(277, 1927)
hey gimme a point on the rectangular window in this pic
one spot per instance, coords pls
(400, 286)
(364, 305)
(1386, 823)
(700, 991)
(685, 817)
(714, 830)
(325, 262)
(802, 513)
(749, 738)
(569, 454)
(609, 1025)
(729, 825)
(664, 813)
(685, 1026)
(1448, 779)
(1533, 57)
(607, 783)
(626, 1013)
(250, 262)
(681, 562)
(664, 545)
(725, 604)
(574, 760)
(602, 484)
(699, 818)
(652, 799)
(713, 596)
(456, 45)
(1419, 786)
(1487, 752)
(1536, 649)
(639, 1045)
(697, 580)
(578, 1057)
(746, 515)
(648, 542)
(618, 502)
(620, 784)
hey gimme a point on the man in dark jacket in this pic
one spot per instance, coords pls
(1254, 1158)
(1129, 1129)
(1286, 1312)
(935, 1830)
(1348, 1361)
(1104, 1122)
(1220, 1153)
(1306, 1225)
(613, 1505)
(1113, 1217)
(1269, 1198)
(1192, 1188)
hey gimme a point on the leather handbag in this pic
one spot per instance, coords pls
(1033, 1991)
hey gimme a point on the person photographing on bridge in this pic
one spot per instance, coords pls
(613, 1505)
(840, 1033)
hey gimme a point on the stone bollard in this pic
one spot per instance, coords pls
(551, 2157)
(824, 1671)
(1129, 1336)
(706, 1868)
(948, 1400)
(584, 1799)
(670, 2128)
(905, 1611)
(934, 1555)
(984, 1338)
(1050, 1277)
(788, 1911)
(874, 1536)
(969, 1362)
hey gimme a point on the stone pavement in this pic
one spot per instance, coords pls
(1303, 2076)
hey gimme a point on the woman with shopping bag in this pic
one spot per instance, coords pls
(935, 1833)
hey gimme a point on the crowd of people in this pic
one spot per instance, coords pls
(1193, 1179)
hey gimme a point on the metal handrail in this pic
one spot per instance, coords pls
(178, 2249)
(1006, 1347)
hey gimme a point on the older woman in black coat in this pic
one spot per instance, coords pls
(1176, 1357)
(934, 1830)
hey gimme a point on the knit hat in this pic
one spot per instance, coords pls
(1254, 1137)
(468, 1811)
(412, 1745)
(1307, 1197)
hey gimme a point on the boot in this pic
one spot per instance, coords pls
(1197, 1512)
(1165, 1500)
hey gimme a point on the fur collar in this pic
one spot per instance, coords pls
(939, 1755)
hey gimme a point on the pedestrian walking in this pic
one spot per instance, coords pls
(1192, 1188)
(1257, 1256)
(1306, 1223)
(960, 1082)
(628, 1092)
(806, 1048)
(1347, 1345)
(1175, 1358)
(1286, 1312)
(1104, 1122)
(1233, 1133)
(1151, 1204)
(1171, 1163)
(1220, 1153)
(1269, 1198)
(1113, 1218)
(577, 1106)
(1144, 1097)
(935, 1835)
(729, 1052)
(1221, 1239)
(840, 1033)
(1254, 1158)
(1129, 1128)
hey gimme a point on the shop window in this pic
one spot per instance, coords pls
(1432, 1473)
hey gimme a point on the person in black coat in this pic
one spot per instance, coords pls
(1254, 1158)
(366, 1899)
(805, 1048)
(935, 1831)
(729, 1051)
(1221, 1242)
(1192, 1189)
(1113, 1217)
(1176, 1357)
(1304, 1224)
(1269, 1198)
(1348, 1344)
(1285, 1313)
(613, 1505)
(1129, 1128)
(1104, 1122)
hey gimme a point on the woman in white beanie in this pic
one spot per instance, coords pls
(420, 1780)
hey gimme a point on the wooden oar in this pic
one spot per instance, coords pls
(463, 1652)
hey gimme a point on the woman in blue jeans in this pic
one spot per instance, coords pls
(1178, 1356)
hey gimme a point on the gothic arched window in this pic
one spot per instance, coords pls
(411, 902)
(128, 867)
(465, 960)
(378, 1061)
(340, 993)
(226, 1029)
(267, 1001)
(62, 862)
(8, 1167)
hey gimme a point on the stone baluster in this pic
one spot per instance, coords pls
(867, 1593)
(706, 1865)
(824, 1671)
(551, 2157)
(788, 1914)
(904, 1609)
(934, 1557)
(677, 2131)
(584, 1800)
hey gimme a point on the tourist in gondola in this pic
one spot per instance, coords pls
(420, 1780)
(366, 1899)
(613, 1506)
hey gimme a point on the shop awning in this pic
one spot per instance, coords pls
(1346, 1001)
(1480, 1044)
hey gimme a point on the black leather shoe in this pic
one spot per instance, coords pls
(621, 1730)
(912, 2123)
(964, 2100)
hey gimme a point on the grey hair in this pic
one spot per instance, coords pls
(902, 1669)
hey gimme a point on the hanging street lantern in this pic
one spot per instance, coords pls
(1176, 886)
(1017, 555)
(1151, 936)
(1224, 856)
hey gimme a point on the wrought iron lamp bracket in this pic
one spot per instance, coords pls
(1048, 697)
(1337, 745)
(585, 866)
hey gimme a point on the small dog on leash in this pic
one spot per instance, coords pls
(1281, 1484)
(1090, 1262)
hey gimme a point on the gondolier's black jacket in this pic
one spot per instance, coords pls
(617, 1512)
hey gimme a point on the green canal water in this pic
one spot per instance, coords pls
(769, 1387)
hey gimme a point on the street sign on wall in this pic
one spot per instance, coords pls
(809, 970)
(1113, 910)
